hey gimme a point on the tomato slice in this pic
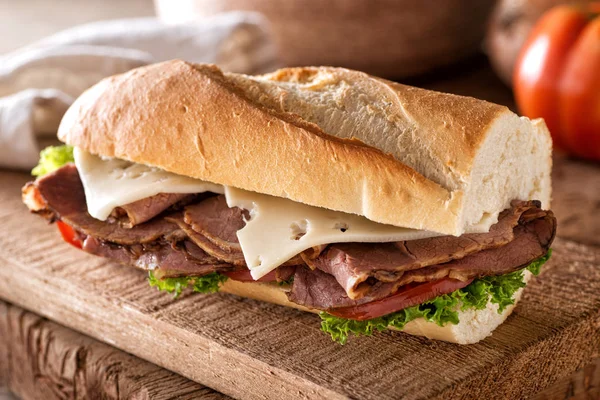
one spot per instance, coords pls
(407, 296)
(244, 276)
(68, 234)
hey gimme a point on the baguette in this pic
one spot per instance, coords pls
(328, 137)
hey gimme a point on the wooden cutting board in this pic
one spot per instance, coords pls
(249, 349)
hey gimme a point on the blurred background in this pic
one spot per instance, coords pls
(468, 47)
(25, 21)
(392, 38)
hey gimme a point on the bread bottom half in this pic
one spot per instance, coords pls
(474, 325)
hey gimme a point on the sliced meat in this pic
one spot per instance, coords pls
(319, 290)
(35, 202)
(280, 274)
(63, 193)
(143, 210)
(229, 254)
(310, 255)
(157, 243)
(214, 220)
(353, 264)
(60, 195)
(285, 272)
(532, 238)
(164, 259)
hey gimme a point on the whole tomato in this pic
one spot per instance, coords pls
(557, 77)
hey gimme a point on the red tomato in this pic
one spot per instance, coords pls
(68, 234)
(407, 296)
(580, 94)
(557, 77)
(244, 276)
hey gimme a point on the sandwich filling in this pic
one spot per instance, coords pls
(194, 238)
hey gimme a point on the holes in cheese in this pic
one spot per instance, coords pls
(280, 228)
(298, 229)
(111, 182)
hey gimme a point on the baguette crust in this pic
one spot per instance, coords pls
(397, 155)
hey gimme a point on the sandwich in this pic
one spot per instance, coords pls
(376, 205)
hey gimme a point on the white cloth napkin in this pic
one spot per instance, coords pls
(40, 81)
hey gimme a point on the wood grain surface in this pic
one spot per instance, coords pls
(39, 358)
(249, 349)
(582, 385)
(576, 199)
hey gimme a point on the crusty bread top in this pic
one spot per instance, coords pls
(435, 134)
(328, 137)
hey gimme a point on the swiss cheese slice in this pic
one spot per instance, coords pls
(280, 228)
(112, 182)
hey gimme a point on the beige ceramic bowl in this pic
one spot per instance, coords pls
(393, 38)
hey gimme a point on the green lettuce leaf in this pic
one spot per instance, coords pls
(286, 283)
(209, 283)
(536, 266)
(202, 284)
(441, 310)
(52, 158)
